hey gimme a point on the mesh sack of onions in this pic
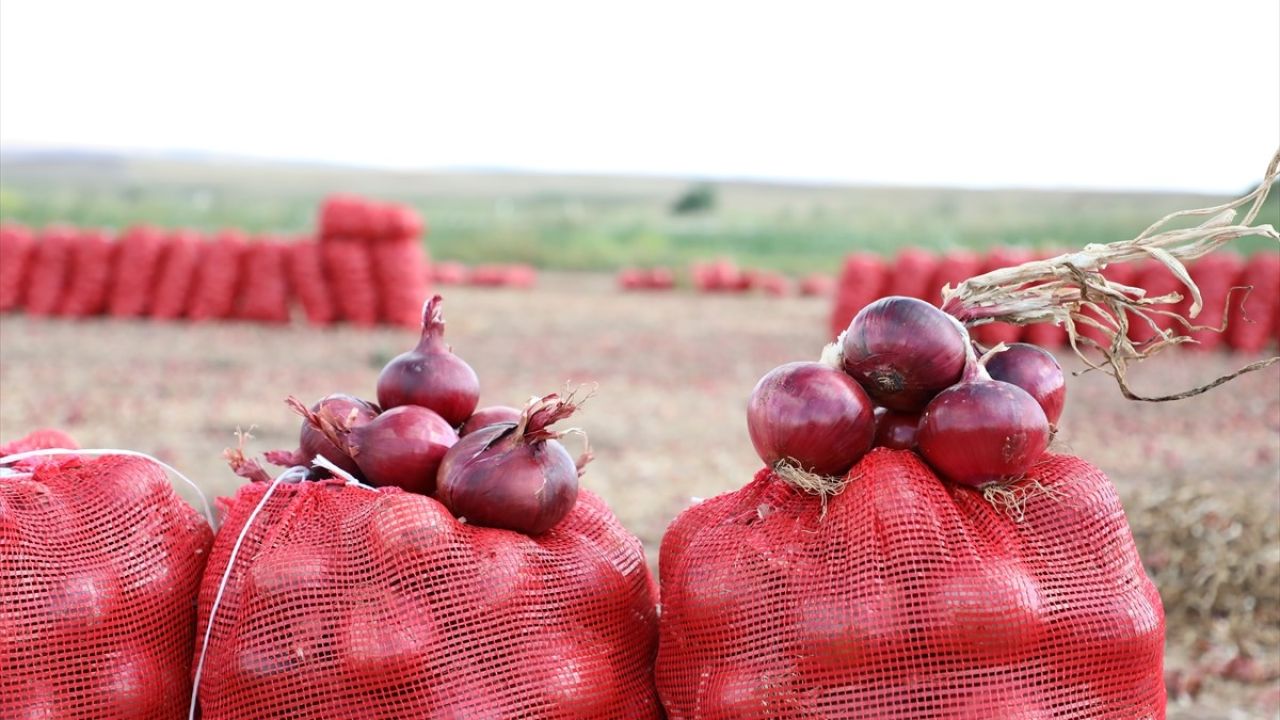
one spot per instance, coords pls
(49, 269)
(344, 601)
(862, 280)
(1215, 275)
(998, 332)
(911, 550)
(174, 282)
(906, 597)
(16, 246)
(348, 268)
(264, 295)
(89, 279)
(307, 280)
(137, 261)
(1256, 318)
(911, 274)
(218, 277)
(100, 562)
(400, 268)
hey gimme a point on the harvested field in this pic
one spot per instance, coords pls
(1201, 478)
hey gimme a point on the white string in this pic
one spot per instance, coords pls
(293, 474)
(204, 502)
(327, 464)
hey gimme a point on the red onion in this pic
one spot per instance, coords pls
(401, 447)
(896, 430)
(312, 442)
(1035, 370)
(514, 476)
(982, 431)
(486, 416)
(904, 351)
(812, 415)
(430, 375)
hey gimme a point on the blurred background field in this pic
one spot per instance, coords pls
(573, 222)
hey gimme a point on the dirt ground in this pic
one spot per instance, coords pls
(1201, 478)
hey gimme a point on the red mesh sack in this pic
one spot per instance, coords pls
(49, 269)
(264, 294)
(89, 282)
(16, 246)
(1215, 274)
(990, 334)
(42, 439)
(953, 268)
(912, 275)
(137, 260)
(100, 562)
(306, 277)
(349, 273)
(862, 281)
(909, 599)
(1253, 318)
(400, 267)
(177, 273)
(345, 602)
(217, 279)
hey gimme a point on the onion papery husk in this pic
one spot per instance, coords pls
(1064, 289)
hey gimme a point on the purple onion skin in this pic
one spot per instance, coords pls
(486, 416)
(904, 351)
(312, 442)
(896, 430)
(403, 447)
(1035, 370)
(982, 432)
(430, 375)
(812, 415)
(496, 479)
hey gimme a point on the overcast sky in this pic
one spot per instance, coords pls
(1154, 94)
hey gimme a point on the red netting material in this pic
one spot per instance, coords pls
(217, 277)
(912, 274)
(177, 271)
(48, 271)
(264, 295)
(306, 278)
(400, 268)
(351, 603)
(1215, 274)
(16, 246)
(137, 260)
(89, 278)
(349, 272)
(909, 600)
(100, 562)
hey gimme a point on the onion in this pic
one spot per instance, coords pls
(492, 415)
(982, 431)
(514, 476)
(1035, 370)
(353, 411)
(430, 375)
(904, 351)
(401, 447)
(812, 415)
(896, 430)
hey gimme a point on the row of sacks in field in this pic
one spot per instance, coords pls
(724, 276)
(1242, 291)
(147, 272)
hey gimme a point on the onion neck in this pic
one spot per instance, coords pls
(432, 338)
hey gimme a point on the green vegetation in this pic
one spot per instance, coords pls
(584, 222)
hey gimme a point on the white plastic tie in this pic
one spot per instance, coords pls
(204, 502)
(292, 475)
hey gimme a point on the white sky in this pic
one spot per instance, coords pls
(1157, 94)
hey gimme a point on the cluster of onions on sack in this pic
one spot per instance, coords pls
(909, 376)
(495, 466)
(906, 375)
